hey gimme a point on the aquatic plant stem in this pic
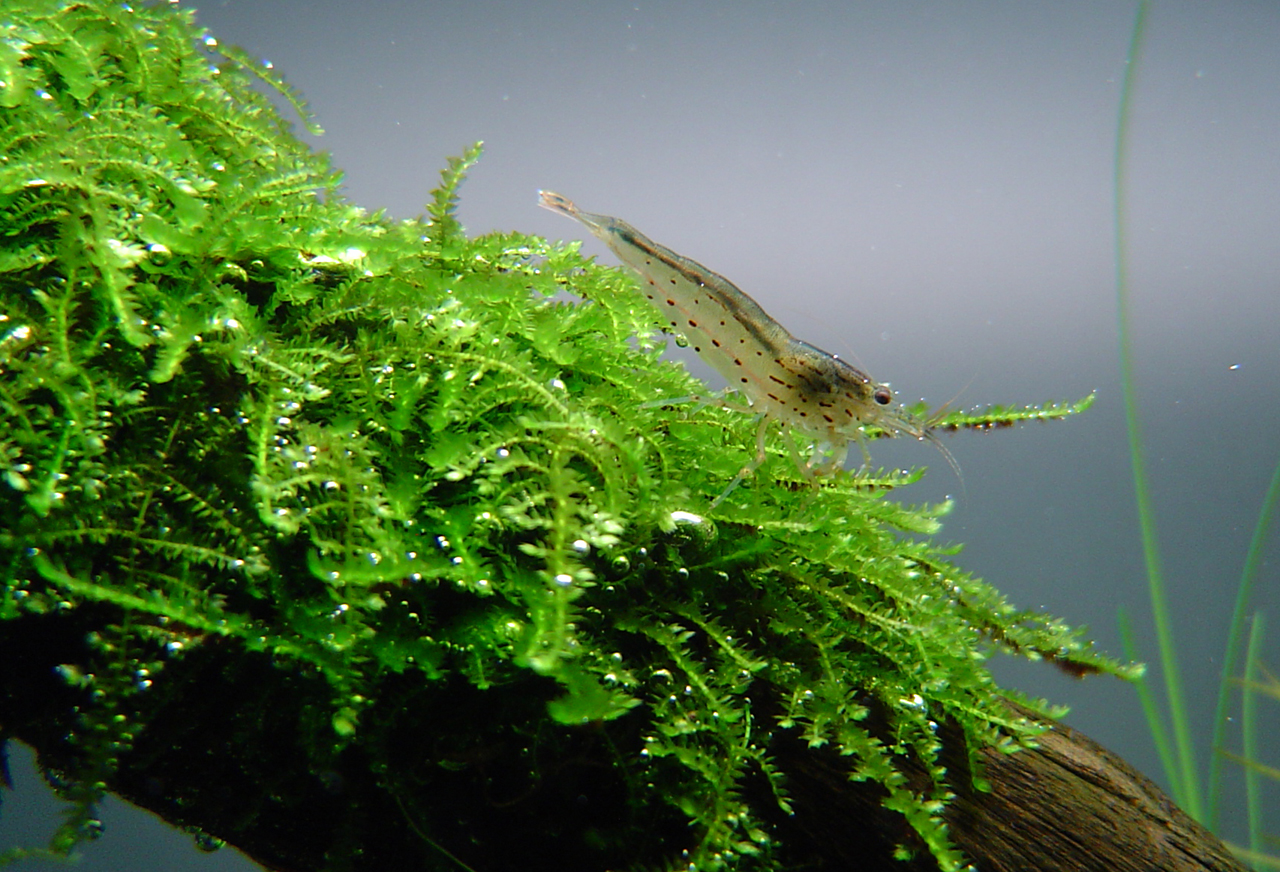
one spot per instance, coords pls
(1182, 776)
(1230, 659)
(1150, 708)
(1249, 734)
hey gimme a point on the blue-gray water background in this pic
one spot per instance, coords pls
(925, 188)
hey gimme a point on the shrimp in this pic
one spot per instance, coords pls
(784, 379)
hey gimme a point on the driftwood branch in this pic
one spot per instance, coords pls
(1067, 805)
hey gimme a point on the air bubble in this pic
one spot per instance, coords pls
(915, 701)
(207, 843)
(564, 579)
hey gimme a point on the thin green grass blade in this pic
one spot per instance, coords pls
(1230, 659)
(1189, 794)
(1151, 710)
(1256, 859)
(1249, 735)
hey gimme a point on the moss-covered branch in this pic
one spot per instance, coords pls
(416, 470)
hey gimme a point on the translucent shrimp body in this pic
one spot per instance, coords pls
(786, 380)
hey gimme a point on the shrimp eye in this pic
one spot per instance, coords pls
(882, 395)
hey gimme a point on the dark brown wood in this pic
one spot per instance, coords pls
(1071, 804)
(1068, 804)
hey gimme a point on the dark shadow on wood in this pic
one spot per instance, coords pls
(221, 752)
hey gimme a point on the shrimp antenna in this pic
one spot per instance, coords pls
(930, 435)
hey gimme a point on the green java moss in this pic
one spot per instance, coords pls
(240, 410)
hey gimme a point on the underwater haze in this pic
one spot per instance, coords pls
(926, 189)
